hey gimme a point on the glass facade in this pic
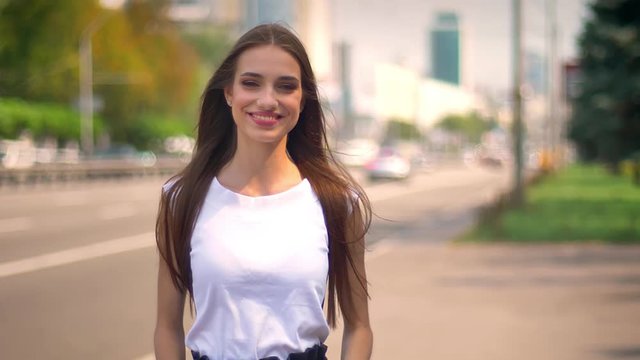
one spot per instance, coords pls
(269, 11)
(445, 49)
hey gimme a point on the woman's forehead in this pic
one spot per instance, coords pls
(268, 61)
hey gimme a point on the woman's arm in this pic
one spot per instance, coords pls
(357, 338)
(169, 333)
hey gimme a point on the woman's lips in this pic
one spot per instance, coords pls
(265, 119)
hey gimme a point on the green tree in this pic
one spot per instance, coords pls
(149, 69)
(401, 130)
(211, 43)
(471, 125)
(141, 62)
(41, 120)
(152, 129)
(39, 46)
(605, 125)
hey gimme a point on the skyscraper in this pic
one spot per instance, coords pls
(269, 11)
(445, 49)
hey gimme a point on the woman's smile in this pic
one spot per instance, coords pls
(264, 118)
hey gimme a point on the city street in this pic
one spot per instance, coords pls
(78, 267)
(500, 156)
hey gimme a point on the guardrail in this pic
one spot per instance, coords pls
(87, 171)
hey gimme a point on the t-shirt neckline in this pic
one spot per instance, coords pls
(294, 189)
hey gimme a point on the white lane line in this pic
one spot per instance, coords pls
(117, 211)
(15, 224)
(69, 256)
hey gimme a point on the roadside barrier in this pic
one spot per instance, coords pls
(84, 172)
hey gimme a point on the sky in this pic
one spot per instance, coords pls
(398, 32)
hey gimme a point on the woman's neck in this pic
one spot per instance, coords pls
(260, 169)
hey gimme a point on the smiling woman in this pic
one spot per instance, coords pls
(265, 96)
(263, 225)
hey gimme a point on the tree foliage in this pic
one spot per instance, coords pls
(471, 126)
(606, 120)
(141, 61)
(41, 120)
(149, 132)
(401, 130)
(39, 47)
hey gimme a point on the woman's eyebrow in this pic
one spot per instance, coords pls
(251, 74)
(260, 76)
(289, 78)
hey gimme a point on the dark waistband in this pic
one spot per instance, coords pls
(316, 352)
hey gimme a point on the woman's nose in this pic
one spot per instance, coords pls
(267, 99)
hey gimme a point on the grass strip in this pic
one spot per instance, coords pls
(581, 203)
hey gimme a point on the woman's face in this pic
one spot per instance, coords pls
(266, 94)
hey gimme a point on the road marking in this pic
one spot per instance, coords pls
(15, 224)
(69, 256)
(117, 211)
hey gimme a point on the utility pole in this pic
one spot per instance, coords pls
(553, 126)
(517, 196)
(86, 92)
(347, 128)
(85, 78)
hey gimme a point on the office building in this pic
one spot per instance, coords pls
(445, 49)
(269, 11)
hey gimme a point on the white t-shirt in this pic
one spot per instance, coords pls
(259, 268)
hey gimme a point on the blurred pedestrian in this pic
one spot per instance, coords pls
(262, 225)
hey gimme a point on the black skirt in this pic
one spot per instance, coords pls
(317, 352)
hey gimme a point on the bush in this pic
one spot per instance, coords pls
(149, 132)
(41, 119)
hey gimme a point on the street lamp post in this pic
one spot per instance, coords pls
(86, 76)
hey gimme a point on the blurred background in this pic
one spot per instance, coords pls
(96, 78)
(499, 142)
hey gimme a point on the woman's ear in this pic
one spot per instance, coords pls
(228, 95)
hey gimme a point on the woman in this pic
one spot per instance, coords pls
(262, 221)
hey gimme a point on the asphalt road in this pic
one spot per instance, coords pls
(78, 265)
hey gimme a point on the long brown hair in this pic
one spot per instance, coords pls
(343, 201)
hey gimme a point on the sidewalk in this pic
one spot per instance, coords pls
(495, 302)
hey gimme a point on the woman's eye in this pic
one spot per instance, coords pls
(249, 83)
(288, 87)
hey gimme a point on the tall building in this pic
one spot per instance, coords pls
(269, 11)
(445, 49)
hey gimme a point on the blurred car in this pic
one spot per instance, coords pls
(356, 152)
(388, 164)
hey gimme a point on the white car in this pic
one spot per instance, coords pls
(388, 164)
